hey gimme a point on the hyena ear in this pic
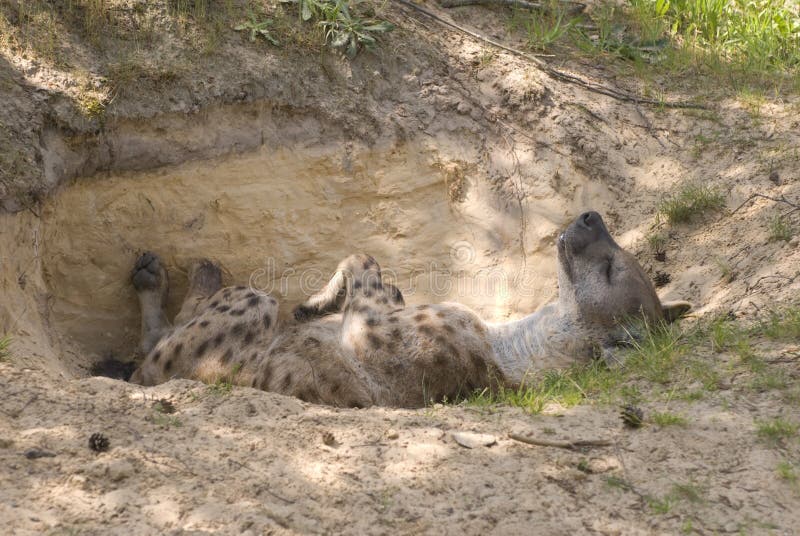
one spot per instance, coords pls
(673, 310)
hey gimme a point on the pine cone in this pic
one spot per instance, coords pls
(661, 278)
(632, 416)
(98, 442)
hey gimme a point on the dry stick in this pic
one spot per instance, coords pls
(551, 72)
(560, 444)
(781, 199)
(576, 8)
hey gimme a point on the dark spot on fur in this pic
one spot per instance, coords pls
(419, 317)
(236, 312)
(227, 356)
(397, 296)
(357, 284)
(448, 328)
(394, 319)
(267, 321)
(250, 294)
(201, 349)
(253, 301)
(248, 339)
(368, 263)
(374, 341)
(254, 382)
(312, 342)
(254, 357)
(272, 301)
(478, 361)
(214, 303)
(368, 294)
(383, 300)
(440, 358)
(287, 381)
(423, 307)
(441, 314)
(226, 293)
(373, 321)
(396, 333)
(427, 329)
(238, 328)
(168, 365)
(240, 287)
(335, 387)
(355, 404)
(177, 350)
(204, 323)
(364, 309)
(156, 356)
(223, 308)
(218, 339)
(376, 284)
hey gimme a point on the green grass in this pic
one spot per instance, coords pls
(690, 202)
(666, 418)
(5, 347)
(776, 430)
(780, 230)
(787, 471)
(782, 325)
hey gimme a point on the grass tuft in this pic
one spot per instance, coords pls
(780, 230)
(690, 202)
(776, 430)
(668, 419)
(5, 347)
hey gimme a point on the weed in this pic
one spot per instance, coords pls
(776, 430)
(5, 344)
(661, 505)
(690, 202)
(92, 106)
(657, 242)
(783, 325)
(224, 385)
(726, 273)
(779, 229)
(787, 471)
(667, 419)
(654, 355)
(343, 28)
(769, 380)
(166, 421)
(688, 492)
(256, 28)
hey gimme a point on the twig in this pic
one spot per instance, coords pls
(576, 7)
(560, 444)
(550, 71)
(781, 199)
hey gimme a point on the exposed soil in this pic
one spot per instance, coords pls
(445, 162)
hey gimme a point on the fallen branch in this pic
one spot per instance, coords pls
(576, 7)
(560, 444)
(781, 199)
(550, 71)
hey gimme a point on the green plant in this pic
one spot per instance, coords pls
(654, 354)
(691, 201)
(667, 419)
(256, 28)
(787, 471)
(343, 29)
(5, 344)
(726, 273)
(779, 229)
(348, 32)
(783, 325)
(776, 430)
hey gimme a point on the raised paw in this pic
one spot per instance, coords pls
(148, 273)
